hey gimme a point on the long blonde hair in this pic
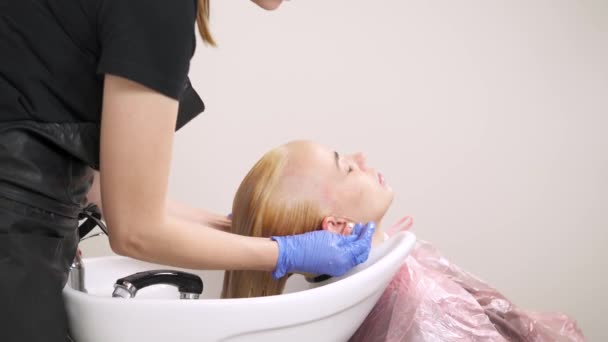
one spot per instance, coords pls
(261, 209)
(202, 18)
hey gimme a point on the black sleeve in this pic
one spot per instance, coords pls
(148, 41)
(190, 106)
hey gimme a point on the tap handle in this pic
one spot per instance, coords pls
(187, 283)
(92, 216)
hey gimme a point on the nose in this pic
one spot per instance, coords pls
(360, 159)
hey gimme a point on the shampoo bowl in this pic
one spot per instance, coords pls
(330, 311)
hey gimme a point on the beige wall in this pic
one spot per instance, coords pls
(488, 118)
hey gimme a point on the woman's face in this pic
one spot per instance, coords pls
(345, 185)
(268, 4)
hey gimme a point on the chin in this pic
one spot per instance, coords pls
(269, 5)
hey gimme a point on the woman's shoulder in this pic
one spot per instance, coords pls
(148, 7)
(148, 41)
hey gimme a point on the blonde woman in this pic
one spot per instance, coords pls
(101, 85)
(303, 186)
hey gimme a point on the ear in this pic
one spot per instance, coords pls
(337, 225)
(330, 224)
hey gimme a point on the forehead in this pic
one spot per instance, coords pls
(307, 156)
(309, 171)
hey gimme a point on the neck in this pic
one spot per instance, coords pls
(378, 237)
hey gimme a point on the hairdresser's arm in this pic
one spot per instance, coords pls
(174, 209)
(137, 131)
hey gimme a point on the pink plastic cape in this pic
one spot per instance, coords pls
(431, 299)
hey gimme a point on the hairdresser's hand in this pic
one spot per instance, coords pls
(323, 252)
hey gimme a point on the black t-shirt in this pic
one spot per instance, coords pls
(54, 54)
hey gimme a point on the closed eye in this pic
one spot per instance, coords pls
(337, 160)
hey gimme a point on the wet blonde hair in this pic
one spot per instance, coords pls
(261, 209)
(202, 18)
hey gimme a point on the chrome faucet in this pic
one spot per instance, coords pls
(189, 285)
(92, 214)
(76, 278)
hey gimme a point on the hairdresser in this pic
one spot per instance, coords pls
(91, 94)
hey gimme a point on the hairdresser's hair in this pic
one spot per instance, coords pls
(202, 18)
(261, 209)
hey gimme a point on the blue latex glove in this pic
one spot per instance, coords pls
(323, 252)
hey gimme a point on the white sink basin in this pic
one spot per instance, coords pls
(331, 312)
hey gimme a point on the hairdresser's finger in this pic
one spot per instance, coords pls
(361, 251)
(349, 239)
(348, 229)
(362, 246)
(354, 235)
(367, 232)
(357, 229)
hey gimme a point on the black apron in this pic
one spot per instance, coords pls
(46, 171)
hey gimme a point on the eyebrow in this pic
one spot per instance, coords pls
(337, 158)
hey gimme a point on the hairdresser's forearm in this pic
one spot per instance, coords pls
(181, 243)
(200, 216)
(173, 208)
